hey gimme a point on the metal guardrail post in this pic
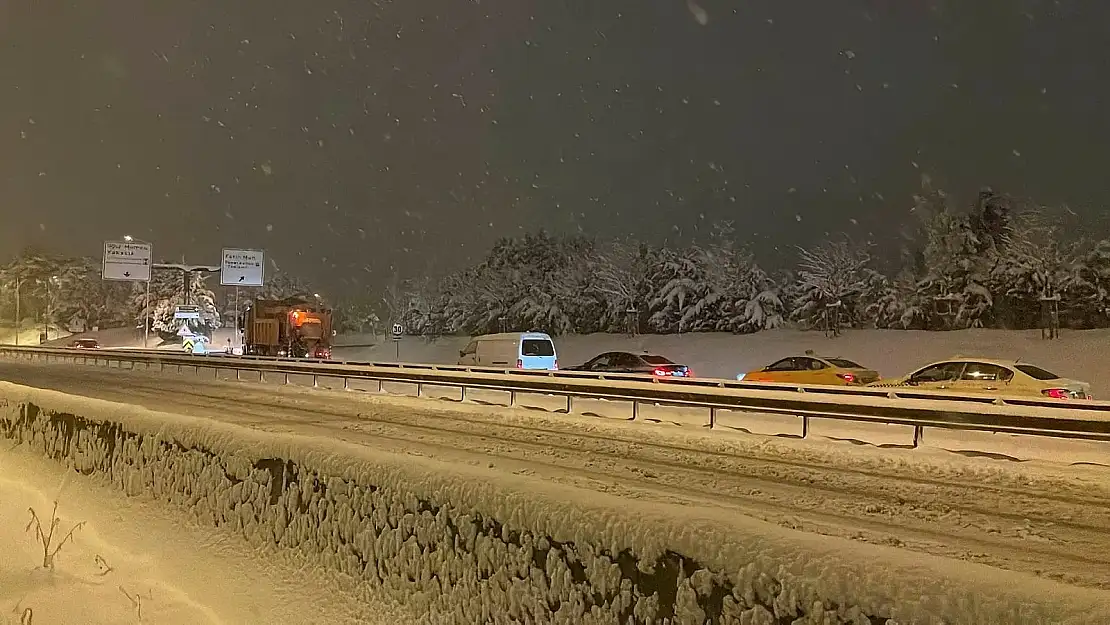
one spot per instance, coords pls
(512, 398)
(635, 409)
(570, 403)
(918, 435)
(805, 426)
(712, 416)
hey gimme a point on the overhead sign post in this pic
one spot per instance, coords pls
(242, 267)
(127, 261)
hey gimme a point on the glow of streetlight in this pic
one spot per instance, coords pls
(128, 238)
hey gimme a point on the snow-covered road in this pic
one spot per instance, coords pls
(1033, 517)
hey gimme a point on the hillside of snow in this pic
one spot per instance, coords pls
(1076, 354)
(133, 561)
(465, 543)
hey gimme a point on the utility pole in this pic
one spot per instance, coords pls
(18, 323)
(49, 305)
(146, 317)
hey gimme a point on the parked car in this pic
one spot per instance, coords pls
(992, 376)
(643, 364)
(522, 350)
(813, 369)
(85, 344)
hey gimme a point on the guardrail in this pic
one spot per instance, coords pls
(1088, 420)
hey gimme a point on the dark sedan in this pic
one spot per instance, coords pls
(641, 364)
(85, 344)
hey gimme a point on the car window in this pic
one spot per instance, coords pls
(943, 372)
(599, 362)
(471, 348)
(811, 364)
(656, 360)
(983, 372)
(627, 360)
(786, 364)
(1036, 372)
(843, 364)
(537, 347)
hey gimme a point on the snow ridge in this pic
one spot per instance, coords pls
(460, 549)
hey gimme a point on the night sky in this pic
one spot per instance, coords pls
(355, 139)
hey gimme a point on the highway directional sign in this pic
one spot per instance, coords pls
(126, 260)
(242, 267)
(186, 312)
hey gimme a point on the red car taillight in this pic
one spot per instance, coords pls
(519, 363)
(660, 372)
(556, 365)
(1057, 393)
(847, 377)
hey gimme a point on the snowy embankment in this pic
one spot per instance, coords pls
(463, 544)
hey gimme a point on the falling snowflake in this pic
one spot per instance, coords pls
(700, 15)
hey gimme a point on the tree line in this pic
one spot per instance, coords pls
(996, 262)
(993, 262)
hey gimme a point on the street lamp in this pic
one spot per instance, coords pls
(146, 300)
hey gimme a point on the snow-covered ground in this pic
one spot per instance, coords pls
(1076, 354)
(135, 561)
(954, 497)
(461, 498)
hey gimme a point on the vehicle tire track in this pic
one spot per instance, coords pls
(809, 502)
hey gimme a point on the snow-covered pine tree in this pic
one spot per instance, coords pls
(831, 276)
(621, 272)
(166, 297)
(894, 303)
(1034, 263)
(1089, 299)
(357, 316)
(953, 269)
(738, 296)
(678, 282)
(33, 277)
(279, 285)
(82, 300)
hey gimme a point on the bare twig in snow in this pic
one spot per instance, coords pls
(103, 565)
(49, 547)
(136, 602)
(26, 615)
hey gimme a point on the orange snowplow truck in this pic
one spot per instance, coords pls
(292, 328)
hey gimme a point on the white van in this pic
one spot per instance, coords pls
(522, 350)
